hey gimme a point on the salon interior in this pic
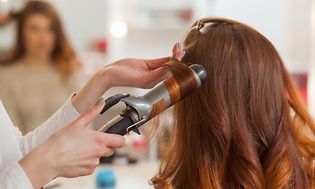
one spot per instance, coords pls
(102, 31)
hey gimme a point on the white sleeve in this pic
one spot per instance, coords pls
(65, 115)
(14, 177)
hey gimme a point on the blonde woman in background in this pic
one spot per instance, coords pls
(41, 71)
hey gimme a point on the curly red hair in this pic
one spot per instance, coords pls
(247, 126)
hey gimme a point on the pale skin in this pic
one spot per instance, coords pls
(39, 39)
(59, 155)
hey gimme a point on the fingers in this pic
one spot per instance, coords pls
(111, 140)
(89, 166)
(90, 115)
(107, 152)
(153, 77)
(156, 63)
(178, 53)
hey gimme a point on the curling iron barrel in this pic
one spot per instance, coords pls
(141, 109)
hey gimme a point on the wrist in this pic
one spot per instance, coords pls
(92, 90)
(38, 167)
(106, 77)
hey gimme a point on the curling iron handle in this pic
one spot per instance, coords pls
(120, 127)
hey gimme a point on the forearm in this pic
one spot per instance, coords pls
(92, 91)
(38, 168)
(125, 72)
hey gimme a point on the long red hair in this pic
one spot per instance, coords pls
(247, 126)
(63, 55)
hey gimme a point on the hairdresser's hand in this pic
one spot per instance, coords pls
(136, 72)
(71, 152)
(127, 72)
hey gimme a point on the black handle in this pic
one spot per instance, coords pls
(113, 100)
(120, 127)
(123, 125)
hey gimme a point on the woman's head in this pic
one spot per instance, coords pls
(245, 127)
(40, 34)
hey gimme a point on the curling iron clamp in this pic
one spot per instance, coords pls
(140, 109)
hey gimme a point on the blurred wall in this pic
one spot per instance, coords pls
(83, 20)
(311, 83)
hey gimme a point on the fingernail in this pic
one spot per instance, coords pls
(100, 101)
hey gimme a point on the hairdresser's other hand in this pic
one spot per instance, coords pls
(72, 151)
(136, 72)
(127, 72)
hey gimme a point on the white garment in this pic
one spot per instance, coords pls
(14, 146)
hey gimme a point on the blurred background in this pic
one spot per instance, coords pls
(102, 31)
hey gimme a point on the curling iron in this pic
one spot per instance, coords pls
(139, 110)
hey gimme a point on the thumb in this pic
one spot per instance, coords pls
(91, 114)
